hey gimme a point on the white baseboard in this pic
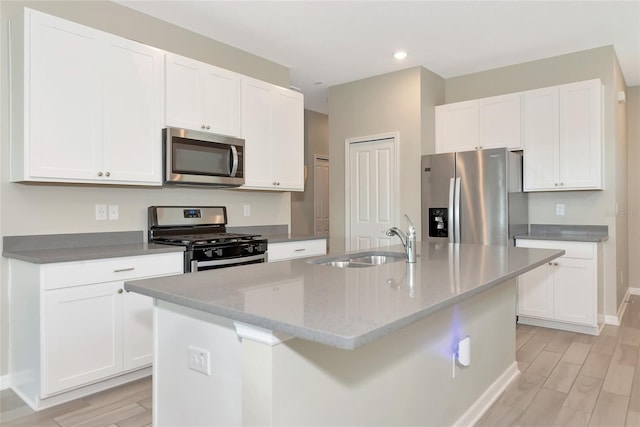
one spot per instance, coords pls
(5, 381)
(488, 398)
(615, 320)
(634, 291)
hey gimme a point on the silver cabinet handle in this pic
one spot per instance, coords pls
(120, 270)
(108, 174)
(99, 173)
(120, 291)
(300, 250)
(208, 127)
(202, 127)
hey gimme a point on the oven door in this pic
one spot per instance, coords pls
(198, 158)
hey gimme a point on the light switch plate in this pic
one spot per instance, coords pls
(560, 209)
(114, 212)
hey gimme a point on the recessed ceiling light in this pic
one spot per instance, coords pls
(400, 55)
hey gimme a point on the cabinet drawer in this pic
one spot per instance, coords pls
(584, 250)
(67, 274)
(289, 250)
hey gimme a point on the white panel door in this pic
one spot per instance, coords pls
(457, 127)
(137, 347)
(220, 100)
(500, 122)
(580, 135)
(183, 107)
(575, 291)
(535, 293)
(64, 79)
(132, 112)
(256, 131)
(287, 134)
(541, 138)
(82, 335)
(372, 196)
(321, 197)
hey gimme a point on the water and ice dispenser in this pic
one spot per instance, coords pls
(438, 222)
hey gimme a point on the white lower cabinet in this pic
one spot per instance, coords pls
(299, 249)
(73, 324)
(565, 293)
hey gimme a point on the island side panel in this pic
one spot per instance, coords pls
(182, 396)
(404, 378)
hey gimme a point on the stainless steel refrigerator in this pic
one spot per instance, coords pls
(473, 197)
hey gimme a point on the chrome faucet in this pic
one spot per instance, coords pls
(408, 240)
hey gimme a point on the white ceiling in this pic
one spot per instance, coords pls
(335, 42)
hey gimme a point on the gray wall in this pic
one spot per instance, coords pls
(633, 211)
(316, 141)
(44, 209)
(395, 102)
(582, 207)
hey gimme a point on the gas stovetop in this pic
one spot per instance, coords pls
(204, 239)
(193, 226)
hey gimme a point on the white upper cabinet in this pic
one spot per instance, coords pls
(480, 123)
(457, 127)
(201, 96)
(86, 105)
(273, 129)
(563, 137)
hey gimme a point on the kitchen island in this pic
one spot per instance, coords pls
(300, 343)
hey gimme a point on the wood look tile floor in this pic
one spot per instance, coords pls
(567, 379)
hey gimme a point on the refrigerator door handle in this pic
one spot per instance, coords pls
(452, 187)
(456, 211)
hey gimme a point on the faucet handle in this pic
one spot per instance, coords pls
(411, 229)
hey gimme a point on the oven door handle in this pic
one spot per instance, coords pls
(230, 261)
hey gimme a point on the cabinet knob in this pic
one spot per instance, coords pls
(108, 174)
(562, 183)
(202, 127)
(208, 127)
(120, 290)
(278, 182)
(274, 183)
(556, 184)
(99, 173)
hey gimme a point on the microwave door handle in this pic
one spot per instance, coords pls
(234, 165)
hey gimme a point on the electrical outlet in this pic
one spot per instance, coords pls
(247, 210)
(114, 212)
(560, 209)
(199, 360)
(101, 212)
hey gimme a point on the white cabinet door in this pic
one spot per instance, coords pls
(132, 128)
(273, 130)
(63, 95)
(256, 131)
(137, 314)
(82, 332)
(574, 291)
(541, 140)
(500, 122)
(563, 137)
(202, 97)
(535, 293)
(287, 132)
(581, 135)
(457, 127)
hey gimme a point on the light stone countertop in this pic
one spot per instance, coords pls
(566, 233)
(50, 248)
(47, 256)
(346, 307)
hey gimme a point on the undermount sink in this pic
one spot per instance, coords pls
(361, 259)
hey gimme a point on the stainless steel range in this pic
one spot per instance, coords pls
(202, 231)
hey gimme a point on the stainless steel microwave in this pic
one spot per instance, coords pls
(200, 158)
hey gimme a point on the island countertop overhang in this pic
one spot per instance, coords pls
(346, 307)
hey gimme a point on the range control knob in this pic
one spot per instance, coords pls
(249, 249)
